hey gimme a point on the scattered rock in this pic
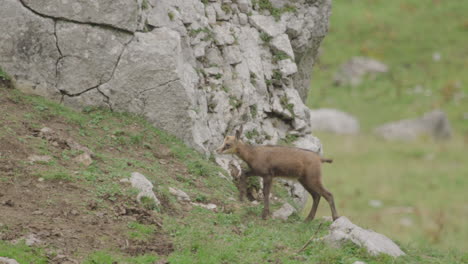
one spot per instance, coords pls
(284, 212)
(84, 159)
(406, 221)
(359, 262)
(145, 187)
(7, 261)
(353, 71)
(332, 120)
(436, 56)
(209, 206)
(296, 191)
(434, 124)
(29, 240)
(181, 195)
(8, 203)
(39, 158)
(375, 203)
(343, 230)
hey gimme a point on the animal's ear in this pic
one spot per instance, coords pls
(239, 132)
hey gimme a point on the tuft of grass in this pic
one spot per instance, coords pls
(265, 37)
(275, 12)
(226, 8)
(140, 231)
(280, 55)
(284, 101)
(22, 253)
(3, 75)
(103, 257)
(235, 102)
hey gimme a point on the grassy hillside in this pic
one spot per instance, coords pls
(421, 184)
(87, 214)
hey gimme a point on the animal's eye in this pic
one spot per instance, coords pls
(228, 145)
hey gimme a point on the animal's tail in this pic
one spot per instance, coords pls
(326, 160)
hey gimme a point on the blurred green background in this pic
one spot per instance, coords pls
(422, 184)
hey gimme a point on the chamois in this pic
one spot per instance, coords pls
(271, 161)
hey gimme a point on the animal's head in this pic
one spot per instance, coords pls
(230, 144)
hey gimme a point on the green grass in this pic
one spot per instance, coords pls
(101, 257)
(22, 253)
(428, 176)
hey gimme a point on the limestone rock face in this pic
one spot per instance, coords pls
(195, 69)
(123, 14)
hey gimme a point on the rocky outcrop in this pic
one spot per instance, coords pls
(195, 69)
(343, 230)
(434, 124)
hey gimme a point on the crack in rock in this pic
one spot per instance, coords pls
(103, 25)
(160, 85)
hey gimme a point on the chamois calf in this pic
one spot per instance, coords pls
(277, 161)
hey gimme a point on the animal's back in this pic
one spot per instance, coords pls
(289, 162)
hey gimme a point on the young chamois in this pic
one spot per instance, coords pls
(277, 161)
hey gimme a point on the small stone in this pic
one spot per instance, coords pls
(436, 56)
(359, 262)
(406, 221)
(32, 239)
(181, 195)
(284, 212)
(37, 212)
(8, 203)
(74, 212)
(375, 203)
(40, 179)
(209, 206)
(4, 260)
(39, 158)
(84, 159)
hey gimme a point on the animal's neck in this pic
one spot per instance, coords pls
(245, 152)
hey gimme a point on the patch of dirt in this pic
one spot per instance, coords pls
(65, 222)
(63, 217)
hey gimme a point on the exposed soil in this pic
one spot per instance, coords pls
(61, 216)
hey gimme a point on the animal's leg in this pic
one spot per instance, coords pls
(315, 196)
(267, 182)
(329, 197)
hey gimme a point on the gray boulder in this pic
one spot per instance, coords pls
(343, 230)
(434, 124)
(144, 186)
(332, 120)
(284, 212)
(353, 71)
